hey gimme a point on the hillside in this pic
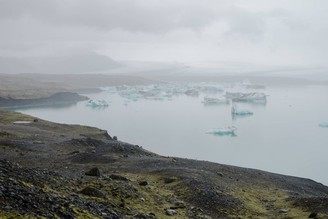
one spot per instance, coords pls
(70, 171)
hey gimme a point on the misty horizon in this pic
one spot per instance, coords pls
(283, 33)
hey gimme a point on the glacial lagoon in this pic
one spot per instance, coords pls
(283, 134)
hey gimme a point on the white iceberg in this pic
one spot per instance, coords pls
(235, 111)
(97, 103)
(232, 95)
(254, 97)
(324, 125)
(214, 101)
(228, 130)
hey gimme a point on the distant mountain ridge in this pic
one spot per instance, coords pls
(64, 64)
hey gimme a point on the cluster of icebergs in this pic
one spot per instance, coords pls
(211, 94)
(166, 91)
(253, 98)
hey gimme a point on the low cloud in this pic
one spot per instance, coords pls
(291, 31)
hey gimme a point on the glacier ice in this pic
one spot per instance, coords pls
(228, 130)
(166, 91)
(239, 112)
(97, 104)
(192, 92)
(324, 125)
(247, 84)
(254, 97)
(214, 101)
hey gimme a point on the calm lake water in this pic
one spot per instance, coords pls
(282, 136)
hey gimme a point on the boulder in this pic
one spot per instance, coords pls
(93, 192)
(93, 172)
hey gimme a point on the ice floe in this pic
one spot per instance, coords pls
(235, 110)
(323, 124)
(254, 97)
(97, 103)
(228, 130)
(215, 101)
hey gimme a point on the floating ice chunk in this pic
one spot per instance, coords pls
(246, 83)
(192, 93)
(324, 125)
(254, 97)
(210, 88)
(214, 101)
(228, 130)
(239, 112)
(233, 95)
(97, 103)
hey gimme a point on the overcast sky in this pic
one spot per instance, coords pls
(257, 31)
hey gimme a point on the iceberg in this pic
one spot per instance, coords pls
(97, 103)
(233, 95)
(324, 125)
(235, 111)
(192, 93)
(211, 89)
(246, 83)
(228, 130)
(214, 101)
(254, 97)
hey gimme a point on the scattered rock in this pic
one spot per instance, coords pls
(93, 172)
(143, 183)
(313, 215)
(122, 205)
(74, 152)
(169, 180)
(283, 210)
(220, 174)
(144, 216)
(38, 142)
(170, 212)
(115, 138)
(118, 177)
(178, 204)
(107, 135)
(89, 191)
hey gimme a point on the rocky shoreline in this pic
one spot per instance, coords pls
(55, 170)
(58, 98)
